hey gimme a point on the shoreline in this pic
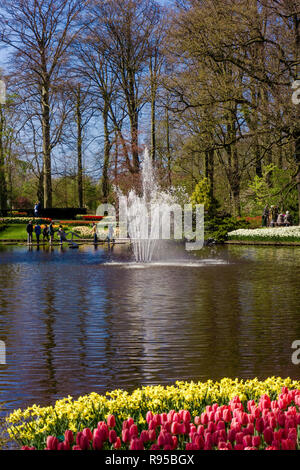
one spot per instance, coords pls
(260, 242)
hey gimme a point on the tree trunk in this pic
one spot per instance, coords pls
(79, 148)
(46, 145)
(209, 169)
(107, 147)
(153, 106)
(3, 186)
(134, 126)
(168, 147)
(297, 131)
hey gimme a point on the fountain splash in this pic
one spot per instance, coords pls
(145, 213)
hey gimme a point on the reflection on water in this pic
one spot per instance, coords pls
(77, 321)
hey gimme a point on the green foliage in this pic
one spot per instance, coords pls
(219, 226)
(202, 194)
(273, 188)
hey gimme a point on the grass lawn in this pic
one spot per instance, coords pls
(14, 232)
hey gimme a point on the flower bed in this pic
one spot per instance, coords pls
(24, 220)
(226, 414)
(267, 234)
(89, 217)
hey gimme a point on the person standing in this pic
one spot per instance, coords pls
(288, 219)
(61, 234)
(29, 230)
(280, 220)
(37, 209)
(94, 232)
(51, 232)
(38, 232)
(265, 217)
(45, 233)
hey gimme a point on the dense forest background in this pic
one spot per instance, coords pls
(209, 86)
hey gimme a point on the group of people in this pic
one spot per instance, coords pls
(272, 217)
(47, 232)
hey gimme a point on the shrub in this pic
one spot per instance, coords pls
(219, 226)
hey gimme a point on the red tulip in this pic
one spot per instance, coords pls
(130, 421)
(111, 421)
(157, 419)
(84, 442)
(190, 446)
(69, 437)
(133, 431)
(268, 435)
(118, 443)
(155, 447)
(112, 437)
(256, 441)
(144, 436)
(125, 435)
(97, 443)
(238, 447)
(259, 425)
(136, 444)
(168, 447)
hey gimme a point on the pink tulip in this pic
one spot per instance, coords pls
(149, 416)
(88, 433)
(186, 416)
(52, 443)
(152, 435)
(161, 440)
(175, 428)
(247, 441)
(197, 420)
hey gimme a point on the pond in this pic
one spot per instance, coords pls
(77, 321)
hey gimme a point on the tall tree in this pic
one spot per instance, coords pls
(40, 32)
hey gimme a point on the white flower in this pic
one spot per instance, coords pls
(275, 233)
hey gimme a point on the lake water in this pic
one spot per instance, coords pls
(77, 321)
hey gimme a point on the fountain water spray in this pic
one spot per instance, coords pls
(148, 213)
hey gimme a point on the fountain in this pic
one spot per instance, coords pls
(146, 213)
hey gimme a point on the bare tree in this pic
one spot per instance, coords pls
(40, 33)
